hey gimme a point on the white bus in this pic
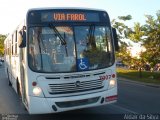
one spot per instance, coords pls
(62, 59)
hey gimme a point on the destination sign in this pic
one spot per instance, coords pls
(69, 17)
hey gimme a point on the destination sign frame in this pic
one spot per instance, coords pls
(69, 17)
(66, 16)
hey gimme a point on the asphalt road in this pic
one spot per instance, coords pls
(133, 98)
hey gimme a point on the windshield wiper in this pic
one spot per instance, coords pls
(63, 41)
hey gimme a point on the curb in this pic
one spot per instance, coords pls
(137, 82)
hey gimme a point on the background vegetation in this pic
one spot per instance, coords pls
(147, 77)
(147, 35)
(2, 38)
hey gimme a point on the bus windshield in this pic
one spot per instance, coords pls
(69, 48)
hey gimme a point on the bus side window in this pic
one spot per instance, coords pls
(22, 39)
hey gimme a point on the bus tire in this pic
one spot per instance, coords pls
(18, 90)
(9, 82)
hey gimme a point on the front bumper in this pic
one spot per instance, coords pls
(39, 105)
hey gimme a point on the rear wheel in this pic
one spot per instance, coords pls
(9, 82)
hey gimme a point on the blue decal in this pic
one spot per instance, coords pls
(82, 64)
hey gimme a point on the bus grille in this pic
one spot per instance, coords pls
(75, 87)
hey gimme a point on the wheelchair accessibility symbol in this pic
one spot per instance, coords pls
(83, 64)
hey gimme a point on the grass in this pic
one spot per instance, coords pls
(147, 77)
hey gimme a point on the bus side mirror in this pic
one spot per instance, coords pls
(22, 38)
(115, 38)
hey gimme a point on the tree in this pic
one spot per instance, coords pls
(136, 33)
(152, 39)
(2, 38)
(123, 33)
(123, 30)
(147, 35)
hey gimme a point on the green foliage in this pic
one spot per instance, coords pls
(2, 38)
(128, 17)
(123, 54)
(137, 33)
(152, 40)
(148, 35)
(122, 29)
(123, 33)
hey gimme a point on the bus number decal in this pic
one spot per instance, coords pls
(105, 77)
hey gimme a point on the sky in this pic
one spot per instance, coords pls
(12, 12)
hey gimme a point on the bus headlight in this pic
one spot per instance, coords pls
(112, 83)
(37, 91)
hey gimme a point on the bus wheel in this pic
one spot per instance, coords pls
(19, 90)
(9, 82)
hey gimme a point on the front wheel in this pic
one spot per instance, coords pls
(19, 90)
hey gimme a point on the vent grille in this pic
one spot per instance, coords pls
(75, 86)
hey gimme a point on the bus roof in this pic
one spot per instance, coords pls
(67, 8)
